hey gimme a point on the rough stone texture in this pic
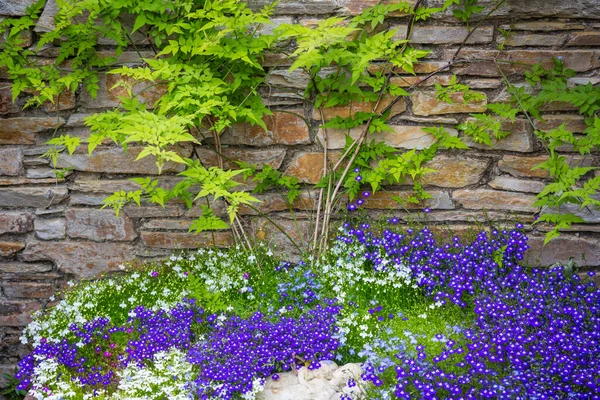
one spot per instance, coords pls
(454, 171)
(50, 228)
(22, 130)
(578, 60)
(521, 167)
(108, 97)
(352, 108)
(259, 158)
(544, 26)
(32, 196)
(573, 123)
(407, 81)
(15, 8)
(178, 240)
(282, 128)
(27, 290)
(403, 136)
(385, 201)
(479, 199)
(532, 9)
(271, 202)
(8, 249)
(83, 259)
(425, 103)
(424, 67)
(116, 160)
(24, 268)
(450, 35)
(15, 222)
(308, 167)
(354, 7)
(14, 313)
(580, 39)
(46, 21)
(99, 225)
(519, 140)
(6, 104)
(168, 224)
(584, 250)
(304, 7)
(329, 382)
(541, 40)
(516, 185)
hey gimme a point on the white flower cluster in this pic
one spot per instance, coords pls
(47, 373)
(168, 377)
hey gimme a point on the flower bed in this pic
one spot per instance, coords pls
(426, 320)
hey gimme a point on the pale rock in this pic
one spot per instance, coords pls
(326, 383)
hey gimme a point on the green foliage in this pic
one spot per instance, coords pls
(10, 392)
(465, 9)
(204, 74)
(271, 178)
(444, 93)
(212, 302)
(571, 185)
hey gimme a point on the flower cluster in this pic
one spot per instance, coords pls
(426, 320)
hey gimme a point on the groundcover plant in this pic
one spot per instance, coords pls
(425, 318)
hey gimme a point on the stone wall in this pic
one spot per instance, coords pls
(52, 231)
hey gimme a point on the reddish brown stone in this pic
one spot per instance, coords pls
(99, 225)
(424, 67)
(521, 167)
(116, 160)
(580, 39)
(6, 104)
(178, 240)
(22, 130)
(402, 136)
(108, 95)
(282, 128)
(27, 290)
(353, 108)
(479, 199)
(66, 101)
(259, 158)
(83, 259)
(168, 224)
(384, 200)
(451, 35)
(13, 313)
(573, 122)
(425, 103)
(519, 140)
(455, 172)
(407, 81)
(8, 249)
(15, 222)
(541, 40)
(308, 167)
